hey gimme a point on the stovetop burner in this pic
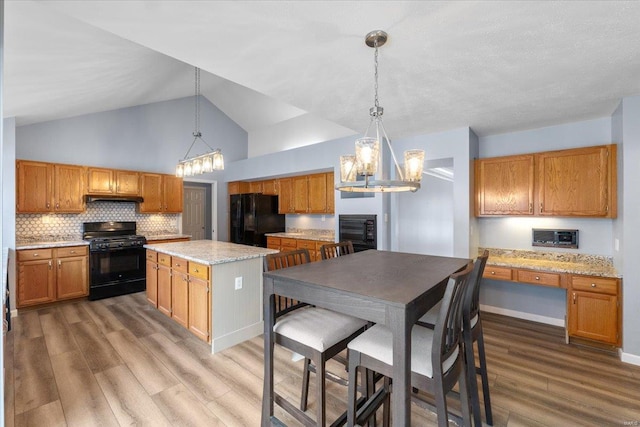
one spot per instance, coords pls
(104, 236)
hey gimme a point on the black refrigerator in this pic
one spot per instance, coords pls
(253, 215)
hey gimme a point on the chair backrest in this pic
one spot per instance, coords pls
(281, 260)
(471, 304)
(333, 250)
(447, 332)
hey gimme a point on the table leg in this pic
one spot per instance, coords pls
(401, 396)
(269, 320)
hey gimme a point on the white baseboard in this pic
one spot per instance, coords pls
(236, 337)
(632, 359)
(522, 315)
(14, 313)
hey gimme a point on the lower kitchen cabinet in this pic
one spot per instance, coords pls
(180, 289)
(52, 274)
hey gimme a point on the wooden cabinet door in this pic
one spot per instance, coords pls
(164, 289)
(68, 188)
(100, 181)
(331, 193)
(577, 182)
(505, 185)
(72, 277)
(285, 195)
(172, 193)
(35, 282)
(127, 183)
(300, 195)
(270, 187)
(255, 187)
(593, 316)
(34, 187)
(179, 298)
(152, 283)
(199, 308)
(317, 193)
(151, 192)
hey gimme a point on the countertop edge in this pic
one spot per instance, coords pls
(45, 245)
(580, 269)
(162, 248)
(302, 236)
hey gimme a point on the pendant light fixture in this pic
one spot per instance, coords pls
(366, 161)
(203, 163)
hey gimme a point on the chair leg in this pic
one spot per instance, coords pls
(320, 371)
(354, 361)
(485, 379)
(472, 381)
(305, 385)
(441, 405)
(464, 400)
(386, 407)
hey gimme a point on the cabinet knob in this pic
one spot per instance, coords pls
(493, 272)
(593, 285)
(537, 277)
(59, 264)
(73, 252)
(50, 265)
(48, 205)
(36, 254)
(196, 270)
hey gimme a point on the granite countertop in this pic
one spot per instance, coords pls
(152, 237)
(304, 235)
(210, 252)
(52, 241)
(558, 262)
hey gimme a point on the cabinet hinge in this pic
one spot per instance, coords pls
(606, 208)
(208, 289)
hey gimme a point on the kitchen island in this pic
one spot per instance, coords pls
(212, 288)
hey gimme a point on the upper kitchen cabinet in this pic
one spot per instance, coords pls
(331, 193)
(110, 181)
(47, 187)
(160, 193)
(504, 185)
(285, 196)
(310, 193)
(270, 187)
(238, 187)
(579, 182)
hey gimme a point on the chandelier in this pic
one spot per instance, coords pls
(366, 161)
(210, 161)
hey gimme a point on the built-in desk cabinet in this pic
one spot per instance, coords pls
(180, 289)
(579, 182)
(287, 244)
(593, 302)
(52, 274)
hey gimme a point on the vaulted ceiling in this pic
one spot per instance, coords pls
(494, 66)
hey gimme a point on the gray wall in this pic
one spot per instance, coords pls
(9, 201)
(151, 137)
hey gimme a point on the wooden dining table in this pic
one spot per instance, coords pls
(390, 288)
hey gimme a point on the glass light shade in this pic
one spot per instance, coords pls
(413, 163)
(196, 165)
(348, 168)
(367, 155)
(179, 170)
(188, 169)
(207, 163)
(218, 161)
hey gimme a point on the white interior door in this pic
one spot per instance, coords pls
(193, 214)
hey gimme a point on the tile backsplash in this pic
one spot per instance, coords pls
(33, 225)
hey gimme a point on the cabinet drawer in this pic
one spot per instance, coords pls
(601, 285)
(273, 242)
(152, 256)
(31, 254)
(179, 264)
(307, 244)
(71, 251)
(164, 259)
(497, 273)
(288, 244)
(199, 270)
(538, 278)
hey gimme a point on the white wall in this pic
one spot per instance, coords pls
(9, 201)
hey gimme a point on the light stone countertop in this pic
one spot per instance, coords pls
(23, 244)
(209, 251)
(558, 262)
(151, 238)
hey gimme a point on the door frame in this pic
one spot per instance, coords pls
(214, 203)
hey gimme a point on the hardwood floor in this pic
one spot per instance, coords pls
(120, 362)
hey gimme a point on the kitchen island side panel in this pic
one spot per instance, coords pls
(236, 313)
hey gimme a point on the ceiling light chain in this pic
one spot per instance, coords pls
(367, 158)
(203, 163)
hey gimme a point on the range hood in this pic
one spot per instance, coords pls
(91, 198)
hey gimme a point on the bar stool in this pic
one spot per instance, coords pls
(437, 358)
(315, 333)
(333, 250)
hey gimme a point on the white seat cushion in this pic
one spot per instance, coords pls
(377, 342)
(316, 327)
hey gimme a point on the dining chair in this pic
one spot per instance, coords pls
(437, 358)
(315, 333)
(471, 333)
(333, 250)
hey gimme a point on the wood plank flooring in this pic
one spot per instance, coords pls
(120, 362)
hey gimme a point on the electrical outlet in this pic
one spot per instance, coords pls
(238, 283)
